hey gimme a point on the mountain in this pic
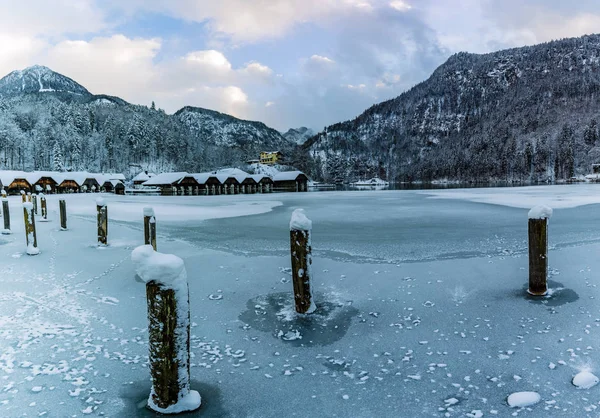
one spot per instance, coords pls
(225, 130)
(522, 114)
(49, 121)
(38, 79)
(299, 135)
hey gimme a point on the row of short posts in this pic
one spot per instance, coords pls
(30, 209)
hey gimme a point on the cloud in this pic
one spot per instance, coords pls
(114, 65)
(51, 18)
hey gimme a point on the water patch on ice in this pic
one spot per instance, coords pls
(557, 295)
(275, 313)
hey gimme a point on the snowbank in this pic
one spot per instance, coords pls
(173, 208)
(299, 221)
(557, 197)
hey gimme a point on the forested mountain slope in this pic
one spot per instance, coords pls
(526, 113)
(49, 122)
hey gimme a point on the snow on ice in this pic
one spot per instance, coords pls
(403, 326)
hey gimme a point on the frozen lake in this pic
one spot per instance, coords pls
(422, 308)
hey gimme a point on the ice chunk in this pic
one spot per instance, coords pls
(299, 221)
(585, 380)
(523, 399)
(540, 212)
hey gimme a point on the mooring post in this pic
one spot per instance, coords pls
(301, 250)
(102, 221)
(44, 208)
(149, 227)
(168, 300)
(23, 196)
(538, 250)
(6, 212)
(29, 196)
(30, 235)
(35, 205)
(63, 214)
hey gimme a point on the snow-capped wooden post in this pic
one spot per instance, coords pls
(30, 234)
(102, 221)
(6, 213)
(63, 214)
(35, 205)
(23, 196)
(168, 330)
(538, 250)
(149, 227)
(29, 196)
(301, 250)
(44, 208)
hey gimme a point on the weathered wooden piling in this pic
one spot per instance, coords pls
(35, 204)
(63, 214)
(30, 234)
(6, 213)
(301, 251)
(102, 221)
(44, 208)
(29, 196)
(168, 330)
(538, 250)
(149, 227)
(23, 196)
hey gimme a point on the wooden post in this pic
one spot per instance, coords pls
(102, 221)
(301, 250)
(149, 227)
(6, 213)
(168, 302)
(63, 214)
(23, 196)
(30, 234)
(44, 208)
(29, 196)
(538, 250)
(35, 205)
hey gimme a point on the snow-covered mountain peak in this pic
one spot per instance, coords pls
(38, 79)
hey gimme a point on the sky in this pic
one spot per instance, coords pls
(287, 63)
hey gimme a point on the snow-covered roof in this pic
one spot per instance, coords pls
(166, 178)
(287, 175)
(115, 176)
(35, 176)
(203, 177)
(143, 176)
(8, 176)
(258, 177)
(239, 175)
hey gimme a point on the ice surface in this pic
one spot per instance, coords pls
(422, 307)
(540, 212)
